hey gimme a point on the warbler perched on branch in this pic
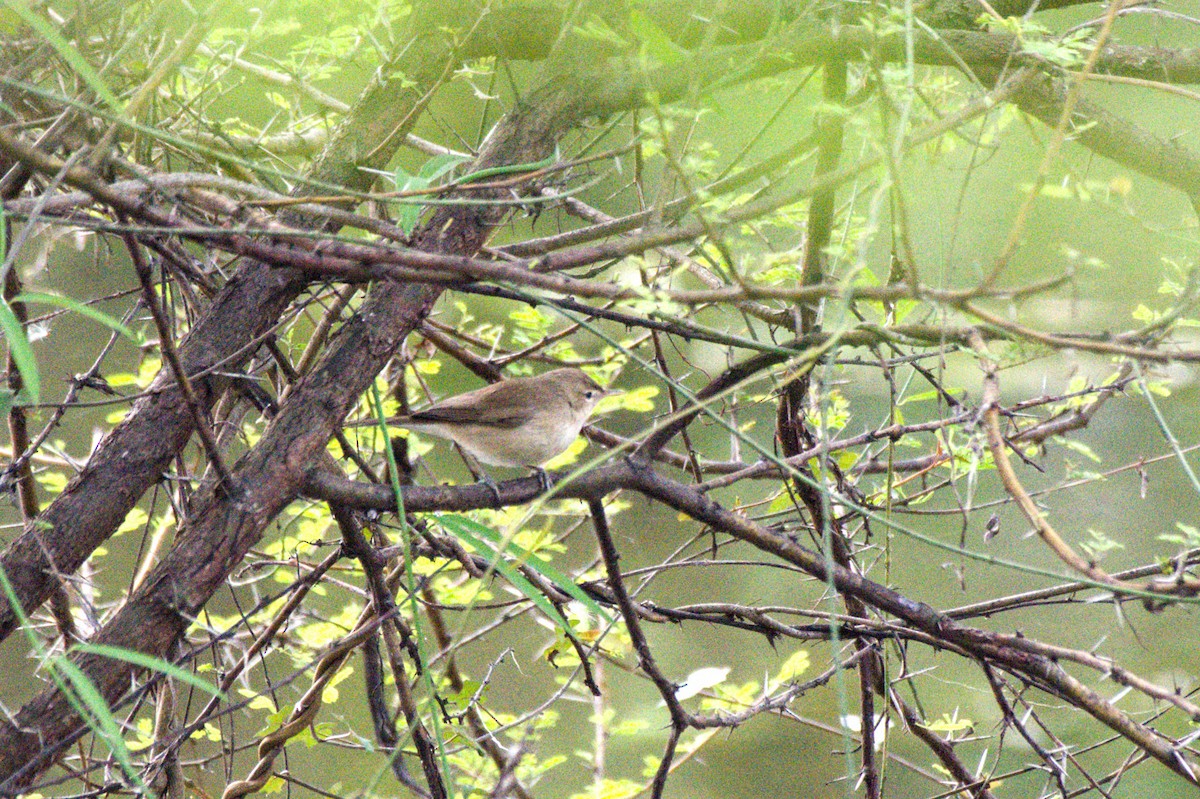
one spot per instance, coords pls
(524, 421)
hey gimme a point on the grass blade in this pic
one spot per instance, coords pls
(462, 525)
(78, 307)
(153, 664)
(22, 355)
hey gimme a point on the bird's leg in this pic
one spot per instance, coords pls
(486, 479)
(481, 476)
(543, 479)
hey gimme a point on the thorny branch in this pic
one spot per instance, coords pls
(293, 261)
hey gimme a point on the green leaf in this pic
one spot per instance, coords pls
(515, 577)
(272, 785)
(22, 355)
(486, 539)
(562, 581)
(597, 30)
(1098, 544)
(783, 503)
(949, 724)
(78, 307)
(99, 716)
(10, 595)
(410, 211)
(431, 170)
(465, 694)
(903, 308)
(655, 42)
(439, 165)
(152, 663)
(932, 394)
(798, 663)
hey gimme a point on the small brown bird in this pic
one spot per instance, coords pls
(524, 421)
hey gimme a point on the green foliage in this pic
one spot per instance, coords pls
(611, 789)
(135, 519)
(655, 46)
(941, 208)
(651, 303)
(596, 29)
(1188, 536)
(91, 705)
(331, 694)
(950, 724)
(634, 400)
(453, 591)
(433, 169)
(154, 664)
(54, 482)
(1068, 51)
(796, 666)
(22, 355)
(316, 634)
(78, 690)
(79, 308)
(1098, 544)
(485, 539)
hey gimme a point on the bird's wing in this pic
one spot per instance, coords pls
(444, 414)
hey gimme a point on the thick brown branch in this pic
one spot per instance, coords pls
(133, 456)
(223, 528)
(1004, 651)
